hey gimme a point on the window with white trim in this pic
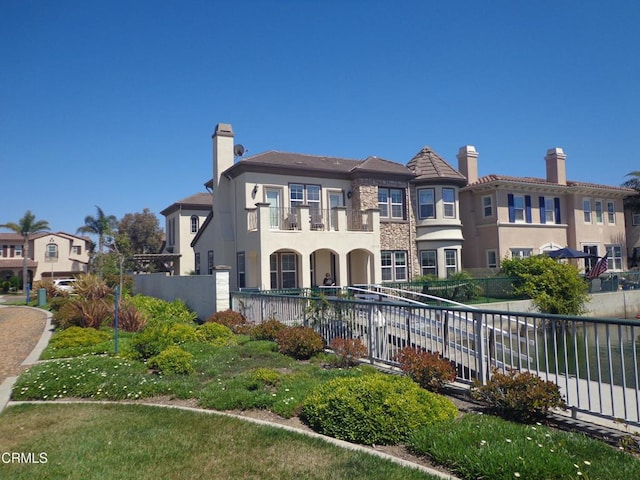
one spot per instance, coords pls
(429, 262)
(611, 213)
(614, 260)
(391, 203)
(586, 210)
(426, 203)
(18, 250)
(521, 252)
(450, 261)
(492, 259)
(549, 210)
(518, 207)
(51, 252)
(394, 265)
(449, 202)
(240, 267)
(487, 206)
(284, 270)
(195, 223)
(598, 210)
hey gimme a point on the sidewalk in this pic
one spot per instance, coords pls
(24, 334)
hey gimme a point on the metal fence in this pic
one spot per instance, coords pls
(594, 361)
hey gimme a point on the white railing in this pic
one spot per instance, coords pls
(593, 361)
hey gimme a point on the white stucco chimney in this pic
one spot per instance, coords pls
(468, 162)
(222, 151)
(556, 166)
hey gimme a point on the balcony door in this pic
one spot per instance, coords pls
(274, 199)
(335, 199)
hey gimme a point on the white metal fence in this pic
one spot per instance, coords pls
(594, 361)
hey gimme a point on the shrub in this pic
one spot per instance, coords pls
(267, 330)
(348, 351)
(231, 319)
(373, 409)
(91, 287)
(50, 288)
(300, 343)
(215, 334)
(78, 337)
(267, 376)
(172, 360)
(161, 310)
(429, 370)
(82, 312)
(130, 319)
(519, 396)
(6, 286)
(157, 336)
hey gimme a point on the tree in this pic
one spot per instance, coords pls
(143, 231)
(553, 287)
(26, 227)
(633, 202)
(102, 226)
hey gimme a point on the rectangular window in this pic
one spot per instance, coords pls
(284, 270)
(635, 219)
(195, 224)
(242, 281)
(210, 262)
(549, 210)
(449, 202)
(521, 252)
(487, 206)
(296, 195)
(586, 210)
(426, 203)
(197, 263)
(273, 270)
(52, 251)
(450, 261)
(394, 266)
(76, 249)
(611, 213)
(492, 259)
(615, 257)
(598, 209)
(518, 208)
(428, 263)
(18, 250)
(391, 203)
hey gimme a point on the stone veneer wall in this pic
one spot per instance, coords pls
(394, 234)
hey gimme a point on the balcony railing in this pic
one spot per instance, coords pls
(294, 219)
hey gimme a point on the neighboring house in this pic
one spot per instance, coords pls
(51, 255)
(632, 222)
(284, 220)
(183, 220)
(506, 217)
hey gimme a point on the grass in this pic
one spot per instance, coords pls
(253, 375)
(481, 446)
(121, 442)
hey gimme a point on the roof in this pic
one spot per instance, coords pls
(294, 163)
(534, 181)
(428, 165)
(17, 238)
(197, 201)
(17, 263)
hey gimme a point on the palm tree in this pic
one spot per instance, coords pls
(633, 202)
(26, 227)
(102, 226)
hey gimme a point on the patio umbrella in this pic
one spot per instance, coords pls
(567, 252)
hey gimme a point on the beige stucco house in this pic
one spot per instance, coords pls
(506, 216)
(183, 220)
(51, 256)
(286, 220)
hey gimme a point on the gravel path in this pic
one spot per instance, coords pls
(20, 331)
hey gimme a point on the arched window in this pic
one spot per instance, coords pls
(51, 253)
(195, 224)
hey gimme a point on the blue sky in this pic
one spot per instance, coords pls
(113, 103)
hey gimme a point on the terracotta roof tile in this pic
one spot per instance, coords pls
(428, 165)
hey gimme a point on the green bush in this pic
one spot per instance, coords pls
(429, 370)
(78, 337)
(519, 396)
(373, 409)
(158, 335)
(267, 330)
(172, 360)
(161, 310)
(83, 312)
(5, 286)
(231, 319)
(130, 319)
(301, 343)
(215, 334)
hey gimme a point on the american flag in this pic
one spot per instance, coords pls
(599, 268)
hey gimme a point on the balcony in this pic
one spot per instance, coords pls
(304, 218)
